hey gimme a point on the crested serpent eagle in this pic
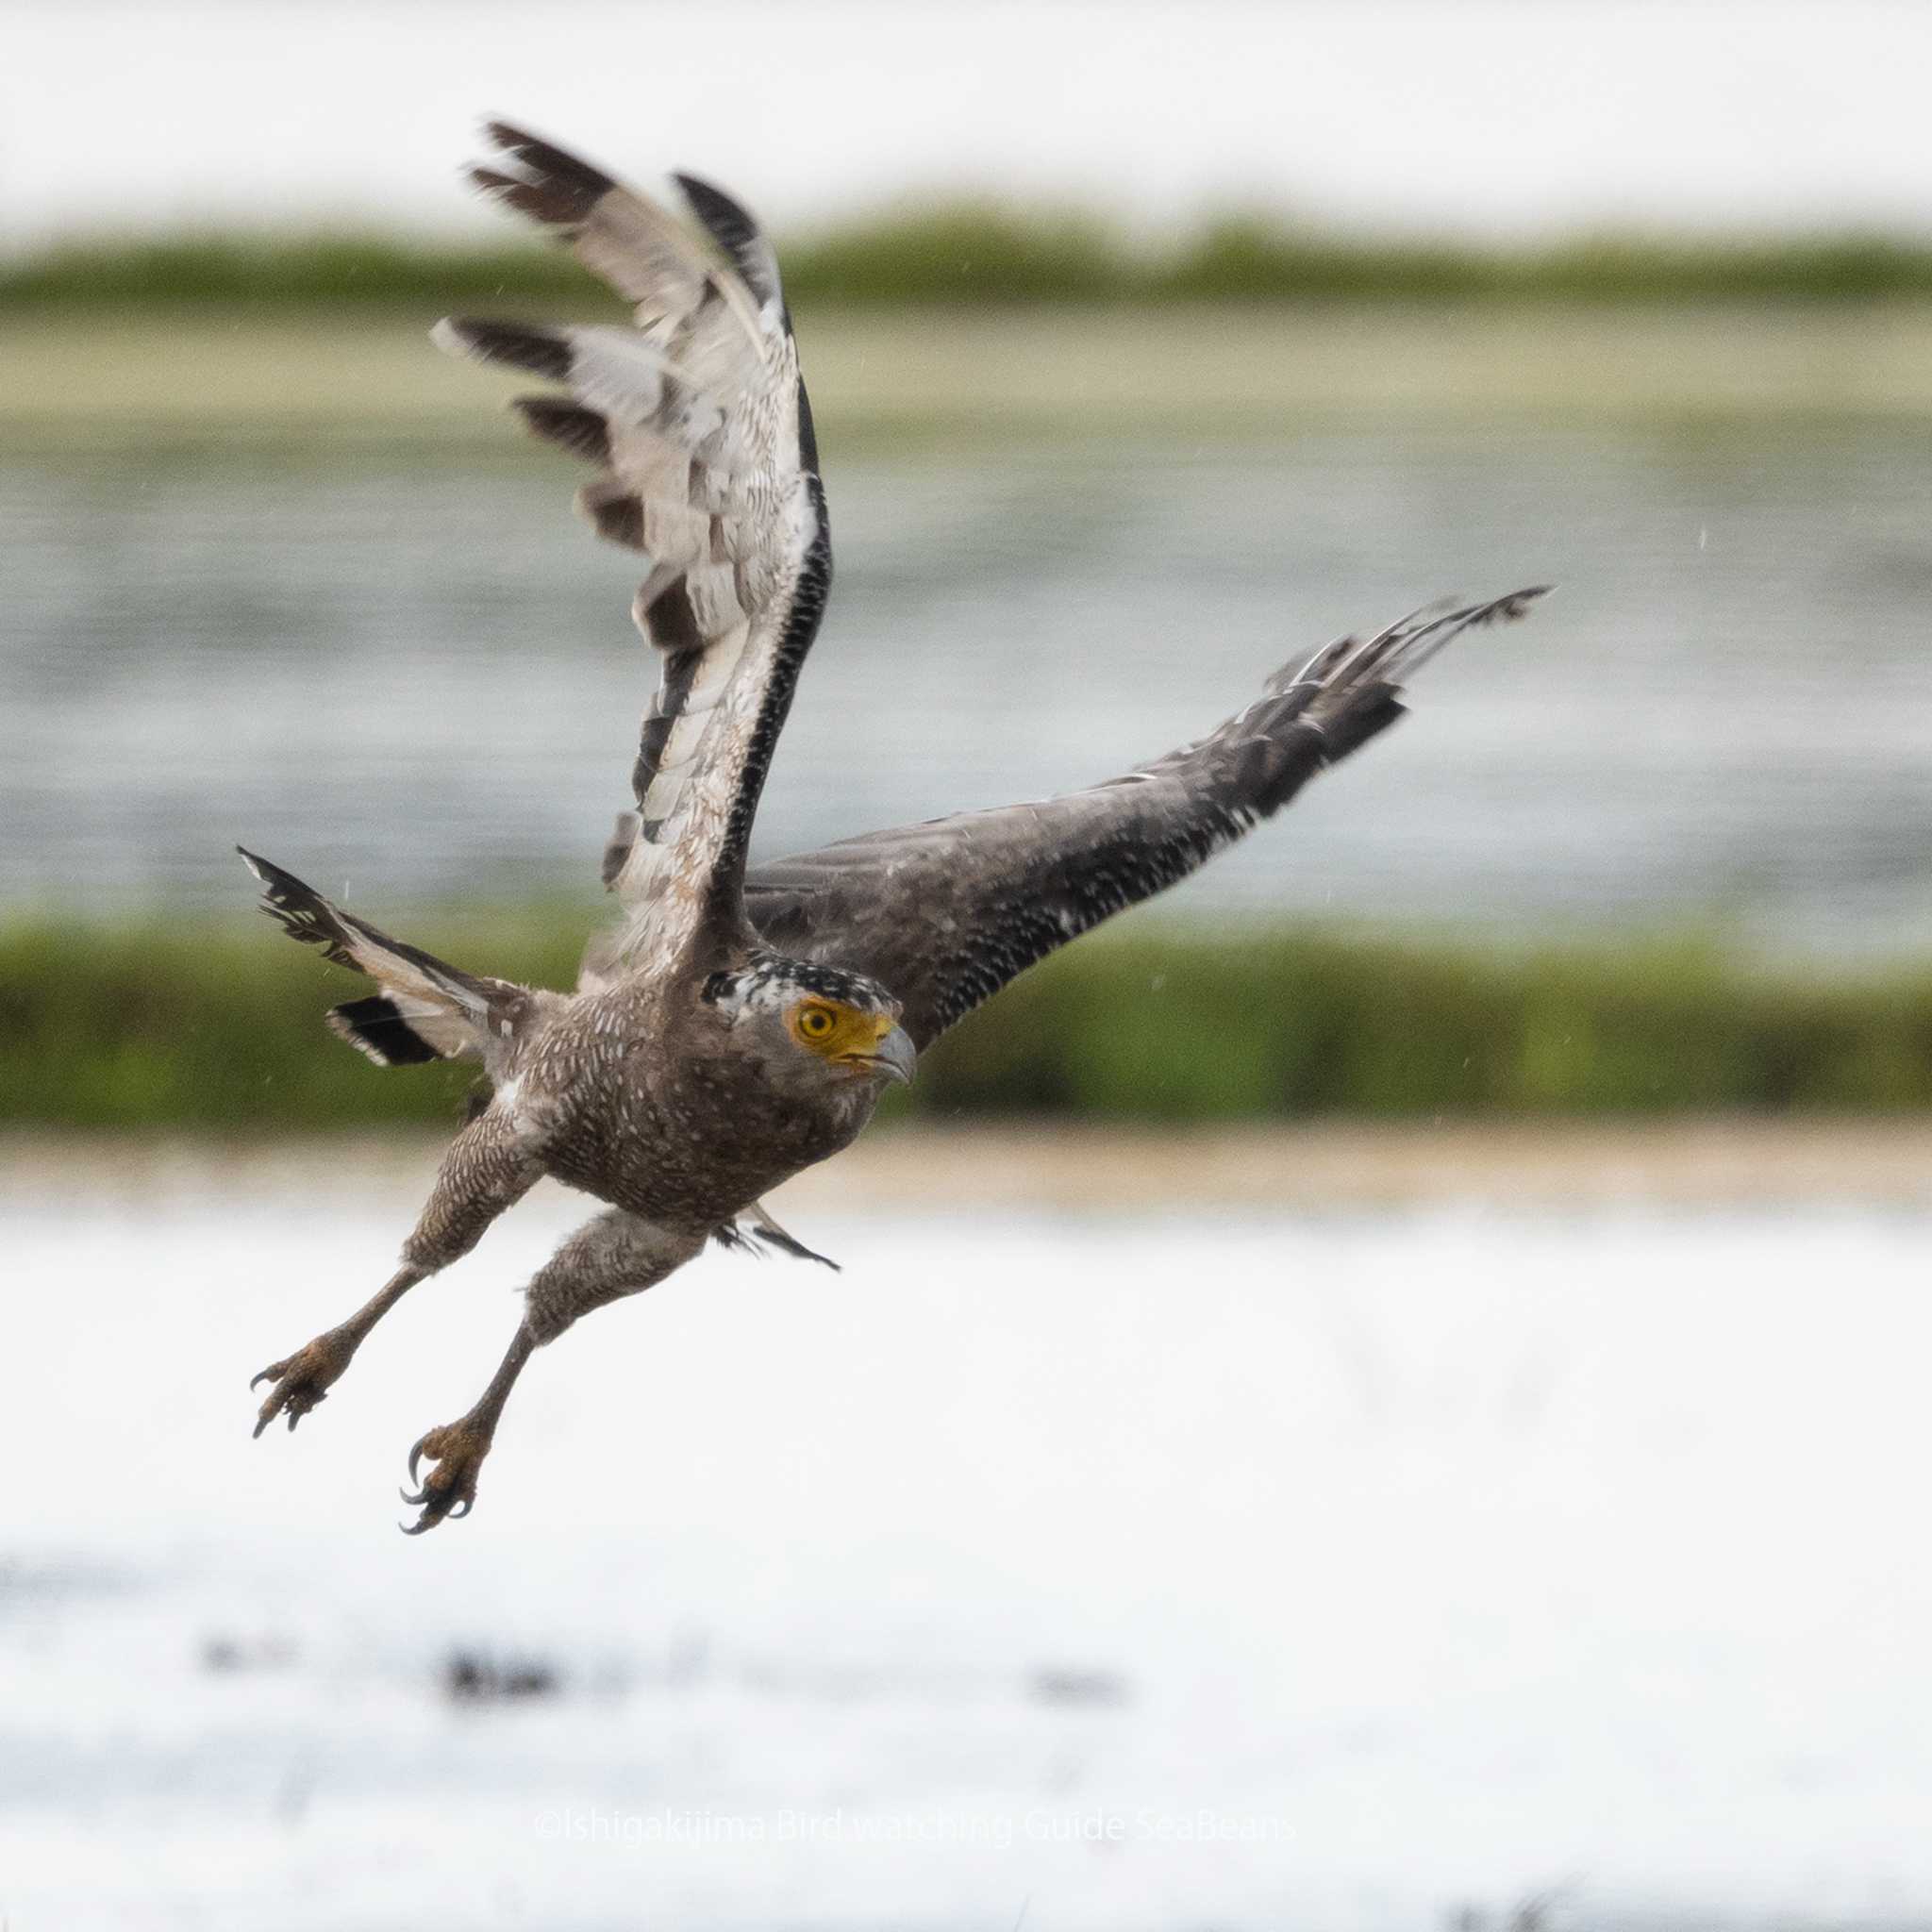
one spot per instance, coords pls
(741, 1023)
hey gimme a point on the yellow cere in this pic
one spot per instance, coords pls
(836, 1030)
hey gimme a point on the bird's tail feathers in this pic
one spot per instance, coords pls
(426, 1008)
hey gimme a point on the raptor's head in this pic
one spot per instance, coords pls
(814, 1025)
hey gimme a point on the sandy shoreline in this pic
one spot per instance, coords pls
(1256, 369)
(1121, 1170)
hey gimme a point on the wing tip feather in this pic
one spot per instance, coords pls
(614, 510)
(584, 432)
(733, 227)
(553, 168)
(544, 352)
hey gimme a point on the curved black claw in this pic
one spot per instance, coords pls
(302, 1380)
(294, 1395)
(448, 1491)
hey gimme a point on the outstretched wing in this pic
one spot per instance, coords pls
(698, 425)
(945, 913)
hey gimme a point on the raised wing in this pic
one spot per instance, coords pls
(945, 913)
(698, 424)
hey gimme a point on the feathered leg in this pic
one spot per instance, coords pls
(486, 1171)
(301, 1379)
(615, 1255)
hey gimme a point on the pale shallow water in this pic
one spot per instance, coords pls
(415, 679)
(1442, 1557)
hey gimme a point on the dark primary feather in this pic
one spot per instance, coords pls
(733, 230)
(583, 432)
(944, 914)
(541, 351)
(559, 187)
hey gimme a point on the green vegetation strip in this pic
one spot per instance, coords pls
(980, 257)
(220, 1028)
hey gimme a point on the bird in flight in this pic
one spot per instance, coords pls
(742, 1021)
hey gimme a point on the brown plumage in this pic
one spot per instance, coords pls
(738, 1027)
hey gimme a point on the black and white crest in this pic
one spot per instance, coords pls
(775, 979)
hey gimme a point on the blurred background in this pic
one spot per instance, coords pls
(1381, 1391)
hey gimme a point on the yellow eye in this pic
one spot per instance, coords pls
(816, 1023)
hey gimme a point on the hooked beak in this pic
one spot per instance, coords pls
(895, 1057)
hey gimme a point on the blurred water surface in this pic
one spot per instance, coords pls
(415, 675)
(1448, 1554)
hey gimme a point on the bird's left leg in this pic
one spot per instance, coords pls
(486, 1169)
(612, 1256)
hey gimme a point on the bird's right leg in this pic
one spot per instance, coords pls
(488, 1169)
(608, 1258)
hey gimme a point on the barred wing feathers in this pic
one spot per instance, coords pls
(698, 424)
(946, 913)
